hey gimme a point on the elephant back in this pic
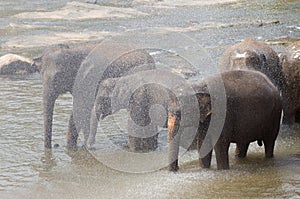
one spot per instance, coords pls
(127, 60)
(253, 55)
(105, 61)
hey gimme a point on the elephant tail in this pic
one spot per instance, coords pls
(259, 142)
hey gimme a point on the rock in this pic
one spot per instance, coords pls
(11, 64)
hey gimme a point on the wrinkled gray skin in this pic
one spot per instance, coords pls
(58, 68)
(252, 114)
(137, 97)
(291, 95)
(253, 55)
(11, 64)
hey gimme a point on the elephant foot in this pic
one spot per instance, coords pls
(72, 146)
(71, 149)
(205, 162)
(269, 148)
(241, 150)
(223, 167)
(221, 150)
(173, 166)
(90, 144)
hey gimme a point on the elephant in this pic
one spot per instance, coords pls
(253, 112)
(291, 95)
(12, 64)
(139, 95)
(59, 66)
(254, 55)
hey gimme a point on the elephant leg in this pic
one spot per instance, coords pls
(134, 143)
(142, 138)
(150, 143)
(288, 117)
(241, 150)
(93, 127)
(205, 162)
(269, 147)
(72, 134)
(221, 150)
(297, 117)
(173, 141)
(138, 144)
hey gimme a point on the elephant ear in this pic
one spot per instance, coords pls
(106, 87)
(37, 63)
(254, 60)
(282, 58)
(263, 60)
(204, 106)
(201, 90)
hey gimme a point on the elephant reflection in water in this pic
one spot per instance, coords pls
(59, 66)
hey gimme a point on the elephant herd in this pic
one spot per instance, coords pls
(259, 85)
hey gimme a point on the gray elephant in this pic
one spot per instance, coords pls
(291, 95)
(138, 93)
(253, 55)
(253, 112)
(59, 67)
(11, 64)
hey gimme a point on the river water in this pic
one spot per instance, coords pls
(27, 27)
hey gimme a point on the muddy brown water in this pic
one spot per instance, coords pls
(24, 171)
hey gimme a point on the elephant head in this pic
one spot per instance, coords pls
(247, 60)
(254, 55)
(291, 95)
(59, 67)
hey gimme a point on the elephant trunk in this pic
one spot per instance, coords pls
(48, 106)
(95, 115)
